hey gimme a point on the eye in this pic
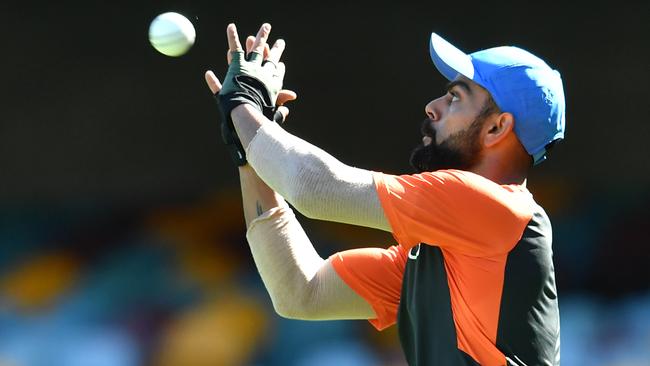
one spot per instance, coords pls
(454, 96)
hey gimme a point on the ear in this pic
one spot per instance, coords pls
(498, 128)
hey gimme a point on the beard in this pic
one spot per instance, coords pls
(460, 150)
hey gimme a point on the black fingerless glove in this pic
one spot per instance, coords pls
(250, 91)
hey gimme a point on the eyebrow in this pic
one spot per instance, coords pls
(461, 84)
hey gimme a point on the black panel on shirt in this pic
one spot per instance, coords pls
(425, 320)
(529, 321)
(528, 328)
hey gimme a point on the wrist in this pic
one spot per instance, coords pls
(247, 120)
(243, 110)
(246, 170)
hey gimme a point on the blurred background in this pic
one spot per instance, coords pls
(121, 233)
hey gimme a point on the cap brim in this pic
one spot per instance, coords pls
(448, 59)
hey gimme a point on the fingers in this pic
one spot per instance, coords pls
(260, 42)
(233, 38)
(281, 114)
(257, 50)
(260, 46)
(213, 82)
(249, 46)
(286, 95)
(249, 43)
(276, 51)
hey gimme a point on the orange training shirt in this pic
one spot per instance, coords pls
(456, 233)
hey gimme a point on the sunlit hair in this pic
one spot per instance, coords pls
(489, 107)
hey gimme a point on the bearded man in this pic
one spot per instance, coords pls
(471, 278)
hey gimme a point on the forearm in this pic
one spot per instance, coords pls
(300, 283)
(284, 256)
(316, 183)
(247, 120)
(257, 197)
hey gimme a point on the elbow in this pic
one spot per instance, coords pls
(287, 309)
(281, 306)
(284, 311)
(293, 306)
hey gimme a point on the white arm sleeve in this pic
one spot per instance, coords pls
(301, 284)
(314, 182)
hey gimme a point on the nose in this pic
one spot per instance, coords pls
(434, 109)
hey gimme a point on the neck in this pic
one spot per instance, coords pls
(505, 163)
(502, 170)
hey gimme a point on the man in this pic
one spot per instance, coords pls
(471, 281)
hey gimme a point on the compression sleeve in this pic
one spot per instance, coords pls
(301, 284)
(314, 182)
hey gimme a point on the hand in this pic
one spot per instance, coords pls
(271, 57)
(254, 79)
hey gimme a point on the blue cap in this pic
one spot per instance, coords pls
(519, 82)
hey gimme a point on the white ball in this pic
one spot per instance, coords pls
(171, 34)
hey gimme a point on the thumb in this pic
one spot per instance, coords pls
(281, 114)
(286, 95)
(213, 82)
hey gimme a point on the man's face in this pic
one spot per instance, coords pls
(453, 128)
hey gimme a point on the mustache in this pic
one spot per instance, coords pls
(427, 128)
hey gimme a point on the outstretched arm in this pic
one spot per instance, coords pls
(301, 284)
(316, 183)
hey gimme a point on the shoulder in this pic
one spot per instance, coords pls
(456, 193)
(451, 181)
